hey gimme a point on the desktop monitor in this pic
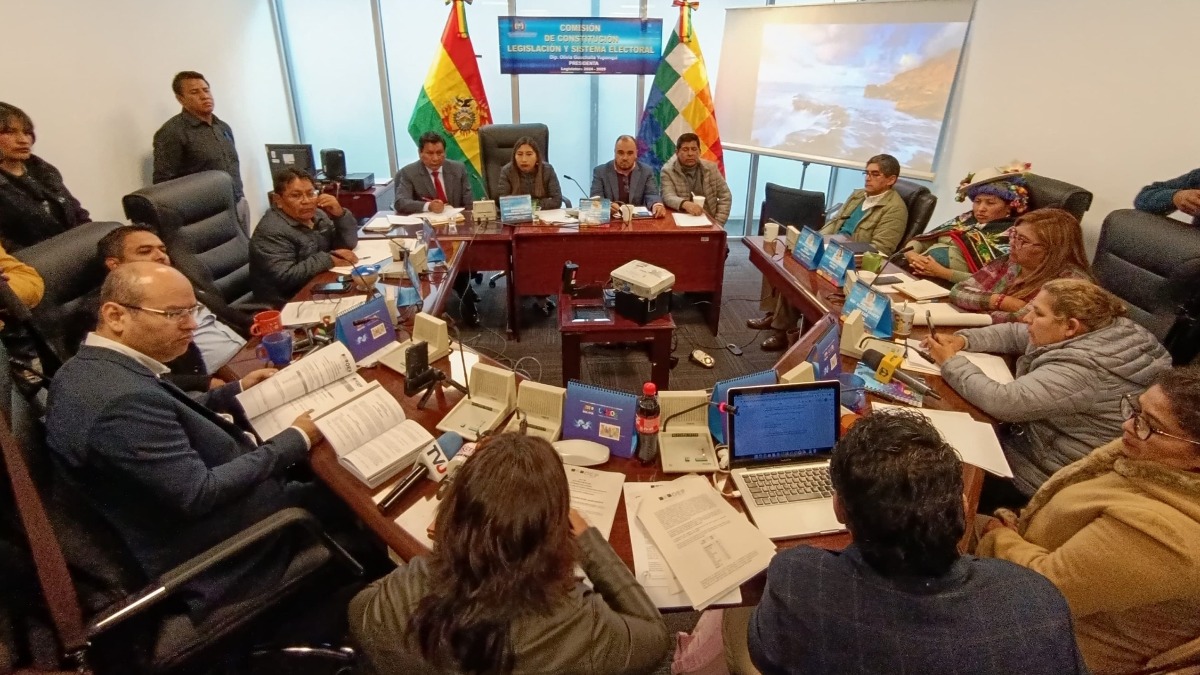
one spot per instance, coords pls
(291, 156)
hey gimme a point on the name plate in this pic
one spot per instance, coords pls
(836, 260)
(516, 209)
(808, 248)
(876, 309)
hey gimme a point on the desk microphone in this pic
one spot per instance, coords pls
(888, 261)
(581, 190)
(369, 289)
(886, 372)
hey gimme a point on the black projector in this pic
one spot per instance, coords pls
(358, 182)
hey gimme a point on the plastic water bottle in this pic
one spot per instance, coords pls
(647, 424)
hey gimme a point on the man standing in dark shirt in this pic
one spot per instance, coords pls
(196, 140)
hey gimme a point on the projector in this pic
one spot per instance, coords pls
(642, 279)
(358, 182)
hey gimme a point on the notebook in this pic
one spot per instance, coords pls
(716, 418)
(777, 429)
(605, 416)
(893, 391)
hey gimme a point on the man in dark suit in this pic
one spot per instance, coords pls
(172, 476)
(901, 598)
(431, 184)
(625, 180)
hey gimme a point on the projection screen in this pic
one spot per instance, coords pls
(836, 84)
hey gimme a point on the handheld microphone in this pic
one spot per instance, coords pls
(887, 369)
(581, 190)
(432, 463)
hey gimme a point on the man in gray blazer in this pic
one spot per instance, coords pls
(433, 182)
(626, 180)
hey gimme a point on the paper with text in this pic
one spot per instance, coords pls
(369, 252)
(319, 402)
(975, 441)
(417, 518)
(308, 312)
(328, 364)
(595, 494)
(710, 547)
(360, 420)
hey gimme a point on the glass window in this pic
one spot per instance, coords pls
(338, 106)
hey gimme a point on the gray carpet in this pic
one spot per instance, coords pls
(627, 367)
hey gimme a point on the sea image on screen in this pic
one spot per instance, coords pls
(851, 90)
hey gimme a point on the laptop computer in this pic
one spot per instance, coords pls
(780, 442)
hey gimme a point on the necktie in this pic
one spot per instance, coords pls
(437, 184)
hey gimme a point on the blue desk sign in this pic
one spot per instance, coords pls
(516, 209)
(834, 263)
(595, 211)
(809, 247)
(876, 309)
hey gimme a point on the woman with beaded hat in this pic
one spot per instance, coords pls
(966, 243)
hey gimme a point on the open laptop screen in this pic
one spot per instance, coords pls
(782, 422)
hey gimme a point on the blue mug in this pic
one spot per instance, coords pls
(276, 348)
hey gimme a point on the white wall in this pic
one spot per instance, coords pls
(96, 79)
(1099, 94)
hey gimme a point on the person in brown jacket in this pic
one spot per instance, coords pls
(498, 594)
(1118, 532)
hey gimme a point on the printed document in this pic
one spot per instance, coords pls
(324, 366)
(709, 546)
(975, 441)
(372, 437)
(309, 312)
(595, 494)
(651, 571)
(369, 252)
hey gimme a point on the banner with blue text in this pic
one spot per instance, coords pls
(579, 45)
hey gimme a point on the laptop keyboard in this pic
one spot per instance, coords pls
(789, 485)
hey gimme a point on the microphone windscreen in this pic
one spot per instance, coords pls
(450, 443)
(872, 358)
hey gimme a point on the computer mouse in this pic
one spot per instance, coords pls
(701, 358)
(581, 452)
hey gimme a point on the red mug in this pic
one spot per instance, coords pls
(266, 322)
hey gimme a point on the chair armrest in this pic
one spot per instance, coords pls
(173, 579)
(567, 203)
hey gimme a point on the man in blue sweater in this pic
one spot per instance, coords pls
(901, 599)
(1166, 196)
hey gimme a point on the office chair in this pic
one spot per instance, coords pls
(1153, 264)
(109, 618)
(1049, 192)
(196, 216)
(920, 202)
(792, 206)
(496, 142)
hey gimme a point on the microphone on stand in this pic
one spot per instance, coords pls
(581, 190)
(888, 261)
(369, 289)
(886, 370)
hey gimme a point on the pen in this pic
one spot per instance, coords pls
(403, 486)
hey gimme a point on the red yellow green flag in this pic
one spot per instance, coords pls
(453, 102)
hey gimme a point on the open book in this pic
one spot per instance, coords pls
(373, 438)
(273, 404)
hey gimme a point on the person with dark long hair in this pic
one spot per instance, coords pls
(498, 593)
(529, 174)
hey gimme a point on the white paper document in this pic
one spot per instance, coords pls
(448, 214)
(945, 314)
(869, 277)
(403, 220)
(319, 402)
(369, 252)
(975, 441)
(710, 547)
(595, 494)
(555, 216)
(993, 366)
(922, 289)
(308, 312)
(378, 224)
(649, 567)
(688, 220)
(326, 365)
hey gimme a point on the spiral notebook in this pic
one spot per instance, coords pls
(716, 418)
(606, 416)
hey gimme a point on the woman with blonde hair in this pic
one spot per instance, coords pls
(498, 593)
(1077, 355)
(1044, 244)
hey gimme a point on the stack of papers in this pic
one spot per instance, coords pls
(922, 289)
(308, 312)
(993, 366)
(976, 442)
(869, 278)
(448, 214)
(686, 220)
(555, 217)
(369, 252)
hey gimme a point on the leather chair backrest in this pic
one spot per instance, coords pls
(196, 216)
(1152, 263)
(496, 143)
(1048, 192)
(920, 202)
(792, 206)
(73, 272)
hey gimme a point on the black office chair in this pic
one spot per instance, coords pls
(109, 616)
(1153, 264)
(792, 206)
(1049, 192)
(920, 202)
(196, 216)
(73, 273)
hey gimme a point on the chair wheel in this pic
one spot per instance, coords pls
(492, 283)
(477, 278)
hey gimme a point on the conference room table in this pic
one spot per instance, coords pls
(533, 255)
(363, 500)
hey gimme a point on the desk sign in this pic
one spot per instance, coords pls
(595, 211)
(366, 329)
(550, 45)
(516, 209)
(834, 262)
(876, 309)
(808, 248)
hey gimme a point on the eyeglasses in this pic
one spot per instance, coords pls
(873, 174)
(1021, 241)
(170, 314)
(1130, 410)
(301, 196)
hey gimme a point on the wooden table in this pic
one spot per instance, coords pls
(365, 203)
(619, 329)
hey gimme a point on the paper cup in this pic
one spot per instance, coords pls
(698, 200)
(902, 319)
(770, 232)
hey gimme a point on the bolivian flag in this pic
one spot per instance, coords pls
(453, 102)
(680, 99)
